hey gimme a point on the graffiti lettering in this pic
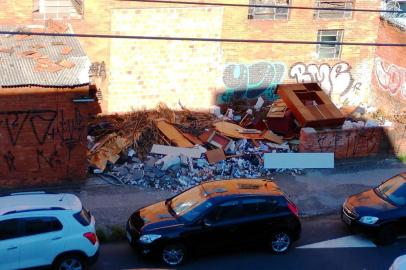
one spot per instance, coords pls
(51, 160)
(252, 80)
(333, 80)
(349, 143)
(9, 158)
(37, 129)
(391, 78)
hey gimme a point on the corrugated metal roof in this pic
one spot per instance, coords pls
(17, 70)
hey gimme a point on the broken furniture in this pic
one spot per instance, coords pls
(310, 105)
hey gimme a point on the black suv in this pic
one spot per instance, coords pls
(379, 212)
(215, 214)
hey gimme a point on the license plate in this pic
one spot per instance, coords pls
(129, 237)
(346, 219)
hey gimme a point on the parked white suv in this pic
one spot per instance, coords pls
(44, 229)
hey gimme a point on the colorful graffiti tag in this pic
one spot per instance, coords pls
(252, 80)
(391, 78)
(336, 79)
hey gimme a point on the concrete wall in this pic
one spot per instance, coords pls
(389, 75)
(43, 136)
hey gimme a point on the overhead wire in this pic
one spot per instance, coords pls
(264, 6)
(230, 40)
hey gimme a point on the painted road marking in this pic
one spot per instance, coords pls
(351, 241)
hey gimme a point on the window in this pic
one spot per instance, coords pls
(333, 14)
(329, 50)
(225, 212)
(58, 9)
(83, 217)
(269, 13)
(252, 207)
(40, 225)
(9, 229)
(394, 190)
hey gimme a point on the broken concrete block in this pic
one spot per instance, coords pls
(259, 104)
(215, 110)
(177, 151)
(168, 161)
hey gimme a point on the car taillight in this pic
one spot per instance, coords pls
(293, 208)
(91, 237)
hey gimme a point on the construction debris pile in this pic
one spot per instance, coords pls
(172, 150)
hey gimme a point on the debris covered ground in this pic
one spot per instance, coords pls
(175, 149)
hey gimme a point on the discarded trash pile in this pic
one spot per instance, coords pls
(172, 150)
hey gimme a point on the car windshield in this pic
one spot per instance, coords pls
(394, 189)
(189, 204)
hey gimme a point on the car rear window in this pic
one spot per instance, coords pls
(83, 217)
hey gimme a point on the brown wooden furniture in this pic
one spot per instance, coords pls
(310, 105)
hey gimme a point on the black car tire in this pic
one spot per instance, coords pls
(173, 254)
(70, 260)
(386, 235)
(280, 242)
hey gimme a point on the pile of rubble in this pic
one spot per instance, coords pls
(173, 150)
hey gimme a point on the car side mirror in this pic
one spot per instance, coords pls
(207, 223)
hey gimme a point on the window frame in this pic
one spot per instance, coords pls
(339, 38)
(345, 15)
(19, 229)
(78, 5)
(252, 15)
(217, 207)
(23, 223)
(271, 204)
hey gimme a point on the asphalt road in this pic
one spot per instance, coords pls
(335, 249)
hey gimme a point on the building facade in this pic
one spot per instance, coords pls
(141, 72)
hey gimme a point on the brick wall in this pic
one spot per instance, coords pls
(42, 136)
(242, 70)
(389, 75)
(356, 142)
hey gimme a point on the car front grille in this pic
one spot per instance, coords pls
(350, 214)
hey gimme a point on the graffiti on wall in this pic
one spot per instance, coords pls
(252, 80)
(36, 129)
(391, 78)
(349, 143)
(336, 79)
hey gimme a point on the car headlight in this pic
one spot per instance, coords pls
(368, 220)
(149, 238)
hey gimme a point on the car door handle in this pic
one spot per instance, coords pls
(57, 238)
(12, 247)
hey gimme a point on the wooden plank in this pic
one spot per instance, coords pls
(172, 133)
(192, 138)
(298, 160)
(176, 151)
(270, 136)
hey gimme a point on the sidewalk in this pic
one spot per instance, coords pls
(316, 192)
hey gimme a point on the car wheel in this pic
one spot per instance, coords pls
(70, 262)
(280, 242)
(386, 235)
(173, 254)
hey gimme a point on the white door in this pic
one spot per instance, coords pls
(9, 244)
(43, 241)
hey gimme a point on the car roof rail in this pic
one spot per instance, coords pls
(34, 209)
(26, 193)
